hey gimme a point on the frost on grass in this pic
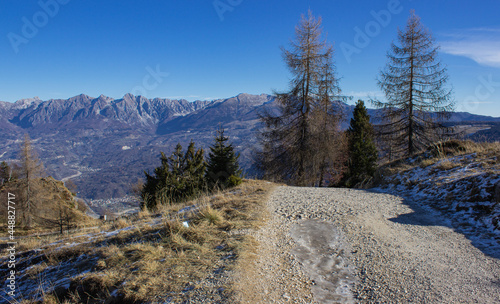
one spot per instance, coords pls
(464, 188)
(156, 257)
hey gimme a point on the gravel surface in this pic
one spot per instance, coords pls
(326, 245)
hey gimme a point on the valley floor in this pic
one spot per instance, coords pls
(324, 245)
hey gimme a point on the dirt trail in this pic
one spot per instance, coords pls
(353, 246)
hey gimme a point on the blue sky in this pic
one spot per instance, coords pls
(206, 49)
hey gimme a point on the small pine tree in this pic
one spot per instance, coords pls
(362, 151)
(194, 169)
(177, 183)
(179, 177)
(223, 169)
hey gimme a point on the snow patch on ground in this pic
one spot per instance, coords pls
(462, 188)
(60, 276)
(320, 249)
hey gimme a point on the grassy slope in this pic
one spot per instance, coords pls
(154, 257)
(460, 179)
(51, 194)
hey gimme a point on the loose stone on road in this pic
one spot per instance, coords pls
(328, 245)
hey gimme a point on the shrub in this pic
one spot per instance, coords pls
(211, 216)
(234, 181)
(450, 147)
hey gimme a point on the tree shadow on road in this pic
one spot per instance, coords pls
(424, 215)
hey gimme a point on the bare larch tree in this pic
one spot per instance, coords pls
(415, 86)
(325, 121)
(31, 170)
(298, 138)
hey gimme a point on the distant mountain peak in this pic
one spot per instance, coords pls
(27, 102)
(81, 97)
(129, 96)
(36, 98)
(104, 97)
(244, 95)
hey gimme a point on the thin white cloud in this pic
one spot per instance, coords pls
(485, 29)
(365, 94)
(479, 44)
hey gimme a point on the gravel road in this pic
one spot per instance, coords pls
(325, 245)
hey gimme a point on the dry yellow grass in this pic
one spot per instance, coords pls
(486, 153)
(56, 256)
(35, 270)
(211, 216)
(460, 147)
(144, 213)
(446, 164)
(148, 260)
(121, 223)
(428, 162)
(490, 152)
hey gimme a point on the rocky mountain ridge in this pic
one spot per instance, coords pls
(105, 144)
(132, 110)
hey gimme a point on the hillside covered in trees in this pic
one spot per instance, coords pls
(33, 201)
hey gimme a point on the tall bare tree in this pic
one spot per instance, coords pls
(415, 85)
(296, 139)
(325, 120)
(31, 170)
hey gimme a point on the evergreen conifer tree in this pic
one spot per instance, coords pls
(194, 169)
(223, 169)
(362, 151)
(179, 177)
